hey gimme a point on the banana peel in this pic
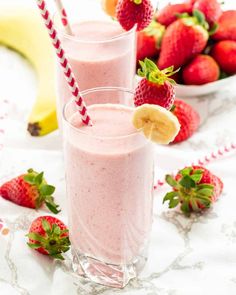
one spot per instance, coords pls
(22, 29)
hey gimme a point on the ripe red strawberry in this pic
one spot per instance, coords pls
(168, 14)
(49, 236)
(30, 190)
(224, 53)
(184, 38)
(149, 41)
(156, 86)
(227, 26)
(201, 70)
(191, 2)
(194, 188)
(131, 12)
(188, 118)
(210, 8)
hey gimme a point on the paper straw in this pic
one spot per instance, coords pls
(214, 155)
(69, 76)
(64, 18)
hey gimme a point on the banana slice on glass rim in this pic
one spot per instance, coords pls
(157, 123)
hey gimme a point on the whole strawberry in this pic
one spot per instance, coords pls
(49, 236)
(226, 26)
(30, 190)
(191, 2)
(188, 118)
(224, 53)
(201, 70)
(156, 87)
(210, 8)
(168, 14)
(149, 41)
(183, 39)
(194, 188)
(134, 12)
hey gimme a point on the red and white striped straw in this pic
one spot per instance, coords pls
(64, 18)
(220, 152)
(214, 155)
(69, 76)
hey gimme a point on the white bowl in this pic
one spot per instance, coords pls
(189, 91)
(198, 90)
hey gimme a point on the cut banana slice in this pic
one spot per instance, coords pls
(158, 124)
(109, 6)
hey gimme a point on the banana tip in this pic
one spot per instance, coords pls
(34, 129)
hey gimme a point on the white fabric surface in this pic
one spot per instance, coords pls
(187, 256)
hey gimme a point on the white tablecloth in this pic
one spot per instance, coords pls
(188, 256)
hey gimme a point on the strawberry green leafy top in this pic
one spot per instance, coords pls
(45, 190)
(150, 71)
(188, 191)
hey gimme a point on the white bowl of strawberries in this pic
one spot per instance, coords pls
(197, 37)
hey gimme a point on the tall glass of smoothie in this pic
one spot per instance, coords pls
(109, 178)
(101, 54)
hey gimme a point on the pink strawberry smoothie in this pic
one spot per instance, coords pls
(101, 54)
(109, 171)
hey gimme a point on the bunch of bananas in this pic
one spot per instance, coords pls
(22, 30)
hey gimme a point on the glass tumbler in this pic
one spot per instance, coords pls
(101, 54)
(109, 179)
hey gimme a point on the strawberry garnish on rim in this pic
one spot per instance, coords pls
(194, 189)
(134, 12)
(30, 190)
(156, 87)
(49, 236)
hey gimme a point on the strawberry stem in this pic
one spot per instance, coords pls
(182, 15)
(150, 71)
(199, 16)
(137, 2)
(173, 108)
(213, 29)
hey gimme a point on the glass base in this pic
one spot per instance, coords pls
(116, 276)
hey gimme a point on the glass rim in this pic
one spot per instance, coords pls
(77, 39)
(97, 89)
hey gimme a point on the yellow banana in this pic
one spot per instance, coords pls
(158, 124)
(21, 29)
